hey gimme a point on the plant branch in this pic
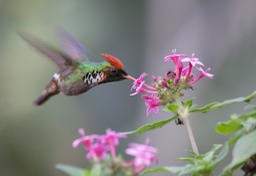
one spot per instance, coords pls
(191, 136)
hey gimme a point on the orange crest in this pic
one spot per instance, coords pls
(113, 61)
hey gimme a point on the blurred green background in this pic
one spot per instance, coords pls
(140, 33)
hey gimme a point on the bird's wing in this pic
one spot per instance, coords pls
(60, 59)
(71, 46)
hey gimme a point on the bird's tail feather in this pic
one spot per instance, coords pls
(50, 90)
(41, 99)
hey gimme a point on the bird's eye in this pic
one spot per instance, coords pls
(113, 71)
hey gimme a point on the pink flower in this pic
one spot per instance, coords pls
(152, 102)
(112, 138)
(154, 78)
(202, 74)
(95, 148)
(174, 57)
(178, 64)
(143, 154)
(93, 144)
(138, 89)
(205, 73)
(164, 84)
(178, 71)
(192, 60)
(86, 140)
(97, 151)
(139, 81)
(185, 71)
(188, 72)
(140, 86)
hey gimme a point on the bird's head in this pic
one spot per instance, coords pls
(114, 71)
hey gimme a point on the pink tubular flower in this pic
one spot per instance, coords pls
(178, 71)
(178, 59)
(143, 154)
(174, 57)
(86, 140)
(192, 63)
(138, 89)
(178, 64)
(202, 74)
(140, 86)
(97, 151)
(192, 60)
(152, 102)
(138, 81)
(112, 138)
(205, 73)
(186, 72)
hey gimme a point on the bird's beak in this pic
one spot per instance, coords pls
(129, 77)
(126, 76)
(123, 73)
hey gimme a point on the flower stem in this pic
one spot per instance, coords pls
(191, 136)
(183, 112)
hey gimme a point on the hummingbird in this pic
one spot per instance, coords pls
(76, 74)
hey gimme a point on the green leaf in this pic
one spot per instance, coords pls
(188, 169)
(191, 160)
(173, 107)
(205, 108)
(175, 170)
(97, 170)
(228, 127)
(148, 127)
(227, 146)
(244, 148)
(250, 124)
(237, 122)
(216, 105)
(154, 170)
(209, 156)
(200, 164)
(188, 103)
(72, 170)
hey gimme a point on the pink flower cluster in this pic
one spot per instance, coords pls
(162, 90)
(143, 154)
(152, 101)
(185, 72)
(97, 147)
